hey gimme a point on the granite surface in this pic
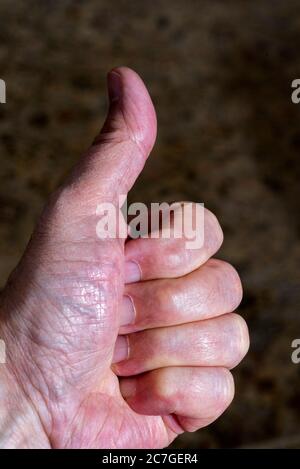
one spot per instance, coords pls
(220, 75)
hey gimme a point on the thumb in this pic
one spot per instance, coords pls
(118, 154)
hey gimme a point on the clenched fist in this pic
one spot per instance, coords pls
(115, 343)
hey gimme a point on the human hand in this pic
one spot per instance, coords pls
(112, 344)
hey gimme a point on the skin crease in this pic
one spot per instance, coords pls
(75, 303)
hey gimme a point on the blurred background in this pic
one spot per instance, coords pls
(220, 76)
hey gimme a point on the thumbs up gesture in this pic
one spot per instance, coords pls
(114, 342)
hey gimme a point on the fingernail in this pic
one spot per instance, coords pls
(132, 272)
(114, 86)
(121, 349)
(127, 313)
(128, 387)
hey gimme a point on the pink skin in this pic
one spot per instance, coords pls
(75, 303)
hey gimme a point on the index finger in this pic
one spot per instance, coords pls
(154, 258)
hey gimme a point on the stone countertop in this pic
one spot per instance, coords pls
(220, 76)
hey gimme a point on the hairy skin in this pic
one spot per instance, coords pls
(68, 381)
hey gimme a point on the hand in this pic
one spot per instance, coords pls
(112, 344)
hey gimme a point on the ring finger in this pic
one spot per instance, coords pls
(221, 341)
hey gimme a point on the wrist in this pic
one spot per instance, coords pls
(20, 426)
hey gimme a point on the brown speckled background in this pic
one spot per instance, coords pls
(220, 75)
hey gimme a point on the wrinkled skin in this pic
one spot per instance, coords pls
(67, 314)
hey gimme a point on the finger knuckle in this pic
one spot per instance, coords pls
(163, 389)
(164, 296)
(239, 340)
(224, 390)
(233, 290)
(212, 230)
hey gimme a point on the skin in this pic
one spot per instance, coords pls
(112, 344)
